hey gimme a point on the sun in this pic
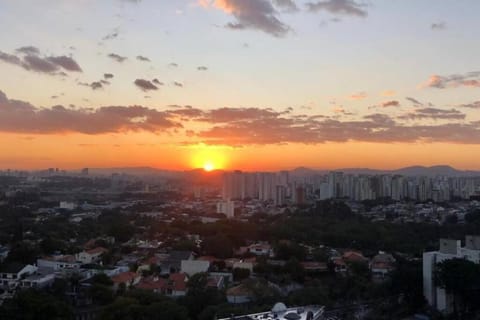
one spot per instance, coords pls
(208, 166)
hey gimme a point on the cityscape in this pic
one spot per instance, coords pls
(239, 160)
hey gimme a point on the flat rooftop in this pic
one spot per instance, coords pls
(280, 312)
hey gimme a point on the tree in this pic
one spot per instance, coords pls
(240, 274)
(219, 246)
(143, 306)
(199, 295)
(31, 304)
(101, 290)
(461, 279)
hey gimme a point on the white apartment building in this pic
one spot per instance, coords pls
(449, 249)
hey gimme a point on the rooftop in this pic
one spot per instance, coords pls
(281, 312)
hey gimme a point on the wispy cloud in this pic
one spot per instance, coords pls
(470, 79)
(143, 59)
(287, 5)
(117, 57)
(339, 7)
(438, 26)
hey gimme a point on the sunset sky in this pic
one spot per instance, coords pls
(239, 84)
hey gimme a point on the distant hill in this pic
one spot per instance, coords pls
(134, 171)
(442, 170)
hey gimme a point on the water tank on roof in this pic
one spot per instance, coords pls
(279, 307)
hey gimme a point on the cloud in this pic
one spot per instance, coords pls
(391, 103)
(142, 58)
(277, 129)
(117, 57)
(473, 105)
(66, 63)
(238, 126)
(358, 96)
(113, 35)
(157, 82)
(251, 14)
(470, 79)
(29, 58)
(22, 117)
(145, 85)
(438, 26)
(173, 65)
(433, 113)
(95, 85)
(389, 93)
(28, 50)
(414, 101)
(287, 5)
(107, 76)
(178, 84)
(202, 68)
(339, 7)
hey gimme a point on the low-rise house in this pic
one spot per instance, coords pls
(240, 294)
(216, 281)
(191, 267)
(91, 256)
(41, 278)
(59, 262)
(354, 257)
(261, 249)
(174, 286)
(243, 265)
(314, 267)
(382, 264)
(126, 278)
(13, 273)
(172, 263)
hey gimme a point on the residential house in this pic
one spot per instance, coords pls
(174, 286)
(240, 294)
(172, 263)
(382, 264)
(191, 267)
(128, 279)
(13, 273)
(91, 256)
(59, 262)
(41, 278)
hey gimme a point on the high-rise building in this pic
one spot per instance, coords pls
(266, 183)
(280, 195)
(227, 208)
(232, 185)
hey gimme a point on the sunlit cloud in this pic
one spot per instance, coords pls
(250, 14)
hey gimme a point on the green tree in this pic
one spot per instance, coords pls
(34, 305)
(461, 279)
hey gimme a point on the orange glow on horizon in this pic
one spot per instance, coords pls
(208, 157)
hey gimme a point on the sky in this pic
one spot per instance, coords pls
(239, 84)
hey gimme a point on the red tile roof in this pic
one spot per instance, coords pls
(97, 250)
(125, 277)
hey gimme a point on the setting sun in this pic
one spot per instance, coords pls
(208, 166)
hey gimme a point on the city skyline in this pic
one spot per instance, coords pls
(229, 84)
